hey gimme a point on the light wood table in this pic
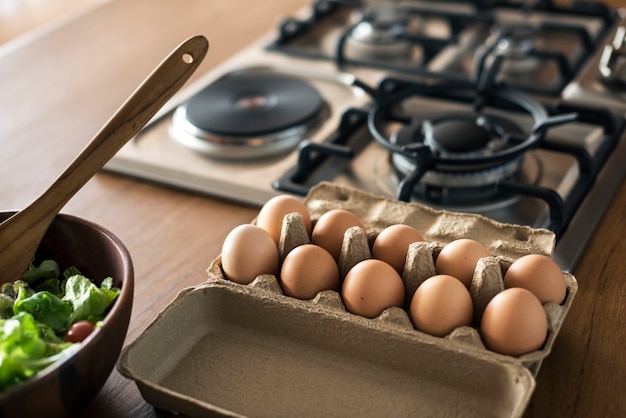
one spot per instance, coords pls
(57, 90)
(30, 18)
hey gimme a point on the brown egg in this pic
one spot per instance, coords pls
(539, 274)
(307, 270)
(370, 287)
(330, 228)
(458, 259)
(441, 304)
(514, 323)
(392, 244)
(248, 251)
(271, 215)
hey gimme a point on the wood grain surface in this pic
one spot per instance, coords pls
(58, 89)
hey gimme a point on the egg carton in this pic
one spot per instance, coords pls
(505, 242)
(251, 350)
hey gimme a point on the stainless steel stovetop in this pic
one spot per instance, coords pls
(469, 106)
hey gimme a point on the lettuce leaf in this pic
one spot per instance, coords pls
(27, 347)
(88, 300)
(46, 308)
(48, 269)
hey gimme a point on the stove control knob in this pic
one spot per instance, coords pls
(613, 59)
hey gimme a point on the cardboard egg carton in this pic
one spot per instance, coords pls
(250, 350)
(505, 242)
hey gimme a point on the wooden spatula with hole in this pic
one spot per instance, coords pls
(21, 234)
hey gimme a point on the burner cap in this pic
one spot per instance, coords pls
(253, 104)
(459, 135)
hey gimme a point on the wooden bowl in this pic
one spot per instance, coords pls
(66, 387)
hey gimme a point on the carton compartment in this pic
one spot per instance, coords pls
(226, 349)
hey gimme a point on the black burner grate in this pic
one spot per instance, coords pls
(546, 118)
(303, 38)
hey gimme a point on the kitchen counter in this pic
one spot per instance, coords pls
(58, 88)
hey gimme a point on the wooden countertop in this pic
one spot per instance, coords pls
(58, 88)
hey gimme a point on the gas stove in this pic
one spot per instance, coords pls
(459, 105)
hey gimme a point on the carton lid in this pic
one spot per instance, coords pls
(233, 350)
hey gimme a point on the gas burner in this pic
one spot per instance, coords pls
(376, 34)
(248, 116)
(462, 136)
(461, 152)
(514, 44)
(390, 36)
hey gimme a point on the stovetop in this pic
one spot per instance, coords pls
(489, 107)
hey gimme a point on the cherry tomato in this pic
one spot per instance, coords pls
(79, 331)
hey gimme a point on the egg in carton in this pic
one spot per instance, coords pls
(505, 243)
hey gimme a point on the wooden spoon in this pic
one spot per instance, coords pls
(21, 234)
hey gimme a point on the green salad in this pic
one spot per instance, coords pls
(45, 315)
